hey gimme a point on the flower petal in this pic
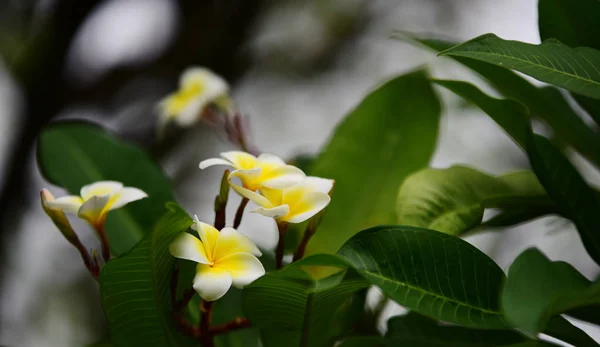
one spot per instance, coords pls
(125, 196)
(283, 177)
(213, 85)
(270, 160)
(92, 209)
(69, 203)
(186, 246)
(243, 268)
(275, 212)
(252, 196)
(100, 188)
(231, 241)
(309, 205)
(319, 184)
(191, 112)
(211, 283)
(240, 160)
(213, 161)
(208, 234)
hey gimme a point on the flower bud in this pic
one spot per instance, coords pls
(58, 217)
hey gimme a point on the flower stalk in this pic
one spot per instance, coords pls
(282, 228)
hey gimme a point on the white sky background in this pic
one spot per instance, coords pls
(288, 115)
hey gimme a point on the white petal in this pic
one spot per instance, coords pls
(213, 84)
(208, 234)
(69, 203)
(270, 159)
(186, 246)
(275, 212)
(252, 196)
(100, 188)
(240, 160)
(243, 268)
(125, 196)
(211, 283)
(191, 113)
(213, 161)
(310, 204)
(283, 177)
(319, 184)
(231, 241)
(92, 209)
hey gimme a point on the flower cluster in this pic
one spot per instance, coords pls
(281, 191)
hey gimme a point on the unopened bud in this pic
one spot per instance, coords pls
(58, 217)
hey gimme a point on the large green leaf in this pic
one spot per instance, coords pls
(574, 23)
(417, 331)
(72, 155)
(453, 200)
(561, 329)
(546, 103)
(291, 307)
(135, 288)
(391, 134)
(434, 274)
(575, 69)
(538, 289)
(510, 115)
(568, 190)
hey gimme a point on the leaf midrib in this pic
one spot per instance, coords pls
(385, 279)
(524, 61)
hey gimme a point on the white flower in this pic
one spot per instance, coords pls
(224, 259)
(267, 170)
(198, 87)
(294, 204)
(96, 200)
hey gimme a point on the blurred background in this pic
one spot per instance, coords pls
(296, 68)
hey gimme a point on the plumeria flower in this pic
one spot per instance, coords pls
(294, 204)
(224, 258)
(96, 200)
(267, 170)
(198, 88)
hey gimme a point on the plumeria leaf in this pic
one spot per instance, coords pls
(545, 103)
(296, 307)
(568, 190)
(418, 331)
(538, 289)
(574, 23)
(574, 69)
(453, 200)
(370, 154)
(432, 273)
(74, 154)
(136, 288)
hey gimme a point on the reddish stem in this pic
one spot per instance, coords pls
(103, 241)
(206, 308)
(240, 213)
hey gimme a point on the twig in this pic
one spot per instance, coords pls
(282, 228)
(103, 241)
(240, 213)
(206, 308)
(235, 324)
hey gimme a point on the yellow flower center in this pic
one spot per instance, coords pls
(180, 100)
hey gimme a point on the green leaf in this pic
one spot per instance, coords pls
(574, 23)
(538, 289)
(391, 134)
(416, 331)
(363, 341)
(575, 69)
(589, 314)
(434, 274)
(291, 307)
(453, 200)
(568, 190)
(510, 115)
(135, 288)
(546, 104)
(72, 155)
